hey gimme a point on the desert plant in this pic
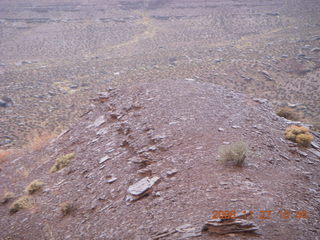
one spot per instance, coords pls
(288, 113)
(34, 186)
(300, 135)
(21, 203)
(234, 154)
(67, 208)
(62, 162)
(7, 197)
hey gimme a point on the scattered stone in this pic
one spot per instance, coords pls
(221, 129)
(5, 140)
(226, 143)
(112, 179)
(98, 122)
(102, 97)
(74, 86)
(246, 78)
(116, 73)
(105, 158)
(190, 79)
(236, 127)
(162, 234)
(225, 226)
(315, 152)
(218, 60)
(259, 127)
(171, 172)
(6, 102)
(267, 75)
(140, 161)
(315, 50)
(284, 156)
(158, 138)
(223, 183)
(102, 131)
(145, 172)
(142, 187)
(260, 100)
(302, 153)
(314, 145)
(273, 14)
(188, 231)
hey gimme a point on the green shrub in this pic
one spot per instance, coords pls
(62, 162)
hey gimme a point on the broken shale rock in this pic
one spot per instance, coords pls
(239, 224)
(142, 188)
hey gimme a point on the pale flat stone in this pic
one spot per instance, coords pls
(105, 158)
(142, 186)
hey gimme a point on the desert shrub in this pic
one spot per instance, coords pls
(34, 186)
(21, 203)
(7, 197)
(300, 135)
(67, 208)
(288, 113)
(234, 154)
(62, 162)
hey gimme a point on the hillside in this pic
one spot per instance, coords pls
(168, 134)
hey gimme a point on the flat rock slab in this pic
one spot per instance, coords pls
(234, 226)
(142, 187)
(105, 158)
(98, 122)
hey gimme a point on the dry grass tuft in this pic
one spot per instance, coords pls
(67, 208)
(34, 186)
(300, 135)
(62, 162)
(21, 203)
(288, 113)
(234, 154)
(39, 141)
(7, 197)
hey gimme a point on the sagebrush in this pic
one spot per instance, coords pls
(299, 134)
(234, 154)
(62, 162)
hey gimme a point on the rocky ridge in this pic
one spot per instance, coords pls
(146, 167)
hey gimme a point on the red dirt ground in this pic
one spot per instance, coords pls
(179, 120)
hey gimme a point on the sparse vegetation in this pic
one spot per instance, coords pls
(7, 197)
(234, 154)
(288, 113)
(21, 203)
(67, 208)
(39, 141)
(34, 186)
(300, 135)
(62, 162)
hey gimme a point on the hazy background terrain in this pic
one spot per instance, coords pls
(55, 55)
